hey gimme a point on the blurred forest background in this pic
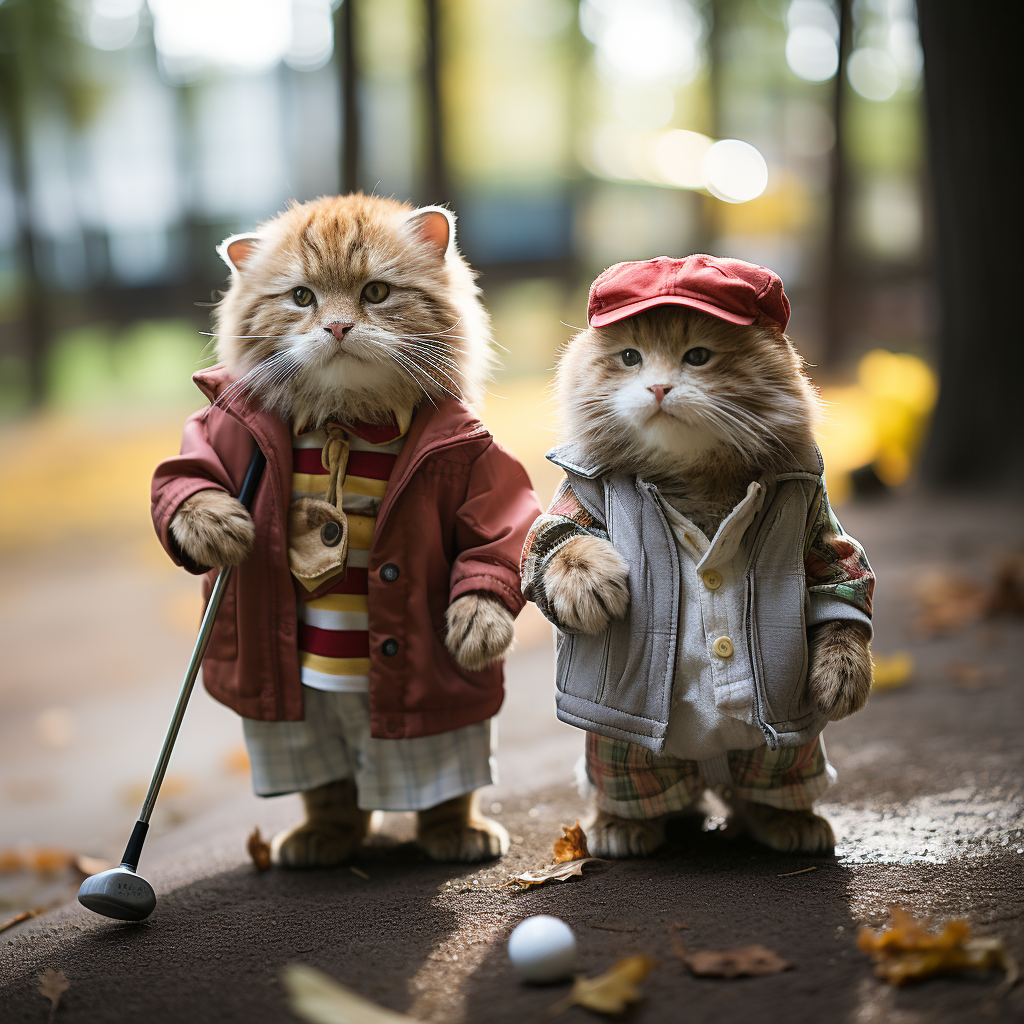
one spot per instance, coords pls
(566, 135)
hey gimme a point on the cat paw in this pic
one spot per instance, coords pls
(213, 528)
(840, 673)
(585, 584)
(315, 845)
(479, 839)
(786, 831)
(480, 630)
(615, 838)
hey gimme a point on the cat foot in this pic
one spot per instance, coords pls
(213, 528)
(615, 838)
(840, 673)
(315, 845)
(454, 831)
(786, 831)
(585, 584)
(480, 631)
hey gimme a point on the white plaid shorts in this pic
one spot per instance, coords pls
(333, 742)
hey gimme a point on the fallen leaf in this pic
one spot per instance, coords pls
(892, 670)
(258, 850)
(52, 985)
(87, 866)
(356, 871)
(47, 861)
(572, 845)
(552, 873)
(25, 915)
(802, 871)
(11, 861)
(907, 952)
(610, 992)
(319, 998)
(745, 962)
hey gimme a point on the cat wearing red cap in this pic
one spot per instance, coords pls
(712, 615)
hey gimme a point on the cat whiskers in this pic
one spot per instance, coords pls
(266, 374)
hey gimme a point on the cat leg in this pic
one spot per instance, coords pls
(213, 528)
(333, 829)
(840, 674)
(585, 584)
(786, 831)
(481, 630)
(615, 838)
(456, 831)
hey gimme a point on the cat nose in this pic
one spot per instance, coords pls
(660, 391)
(339, 330)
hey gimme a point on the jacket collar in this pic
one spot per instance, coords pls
(573, 459)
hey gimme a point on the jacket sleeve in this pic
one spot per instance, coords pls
(490, 528)
(565, 519)
(197, 468)
(840, 582)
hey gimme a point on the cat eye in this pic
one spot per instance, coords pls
(697, 356)
(376, 291)
(631, 357)
(303, 296)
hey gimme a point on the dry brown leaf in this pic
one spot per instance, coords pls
(25, 915)
(320, 999)
(907, 952)
(236, 760)
(11, 861)
(552, 873)
(52, 985)
(973, 677)
(948, 603)
(745, 962)
(572, 845)
(258, 850)
(87, 866)
(610, 992)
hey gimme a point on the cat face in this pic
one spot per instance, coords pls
(352, 307)
(671, 387)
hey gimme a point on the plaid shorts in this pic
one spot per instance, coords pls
(632, 782)
(333, 741)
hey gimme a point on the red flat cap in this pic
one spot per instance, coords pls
(729, 289)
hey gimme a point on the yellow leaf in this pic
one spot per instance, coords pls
(319, 998)
(573, 845)
(52, 985)
(892, 670)
(906, 951)
(610, 992)
(745, 962)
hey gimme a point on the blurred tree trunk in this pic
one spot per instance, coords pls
(436, 178)
(344, 33)
(970, 54)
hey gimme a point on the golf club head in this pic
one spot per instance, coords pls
(118, 893)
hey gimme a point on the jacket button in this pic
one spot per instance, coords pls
(389, 572)
(723, 647)
(330, 534)
(712, 579)
(390, 647)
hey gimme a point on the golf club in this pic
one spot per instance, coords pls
(121, 893)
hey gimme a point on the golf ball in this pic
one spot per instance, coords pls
(542, 948)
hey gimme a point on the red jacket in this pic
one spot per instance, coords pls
(454, 519)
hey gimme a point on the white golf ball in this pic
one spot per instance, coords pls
(542, 948)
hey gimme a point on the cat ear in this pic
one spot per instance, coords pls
(236, 251)
(433, 224)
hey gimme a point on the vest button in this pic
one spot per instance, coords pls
(390, 647)
(389, 573)
(712, 579)
(330, 534)
(723, 647)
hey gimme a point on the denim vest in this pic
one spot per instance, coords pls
(619, 683)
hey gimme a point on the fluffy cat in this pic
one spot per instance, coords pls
(346, 309)
(701, 408)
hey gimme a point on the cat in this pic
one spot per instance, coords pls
(356, 310)
(701, 408)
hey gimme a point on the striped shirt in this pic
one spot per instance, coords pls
(334, 645)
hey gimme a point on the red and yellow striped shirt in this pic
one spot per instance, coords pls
(334, 650)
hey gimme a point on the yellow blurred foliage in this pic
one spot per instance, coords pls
(892, 670)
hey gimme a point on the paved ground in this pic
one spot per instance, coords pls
(928, 810)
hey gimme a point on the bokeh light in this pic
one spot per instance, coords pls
(734, 171)
(872, 74)
(812, 43)
(679, 155)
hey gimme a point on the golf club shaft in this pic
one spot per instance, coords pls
(134, 847)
